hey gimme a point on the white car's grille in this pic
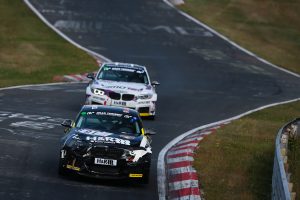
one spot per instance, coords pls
(127, 97)
(115, 96)
(118, 96)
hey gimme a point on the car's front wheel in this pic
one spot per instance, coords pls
(61, 170)
(146, 175)
(152, 117)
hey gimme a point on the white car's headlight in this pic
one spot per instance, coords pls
(145, 96)
(97, 91)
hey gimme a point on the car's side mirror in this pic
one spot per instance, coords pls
(149, 132)
(91, 76)
(67, 123)
(155, 83)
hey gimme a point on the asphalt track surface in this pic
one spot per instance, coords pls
(203, 79)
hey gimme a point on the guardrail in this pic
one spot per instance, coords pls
(281, 185)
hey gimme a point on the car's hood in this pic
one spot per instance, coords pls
(90, 136)
(123, 87)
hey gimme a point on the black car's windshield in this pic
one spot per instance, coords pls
(109, 122)
(124, 74)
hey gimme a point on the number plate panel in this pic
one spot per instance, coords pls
(107, 162)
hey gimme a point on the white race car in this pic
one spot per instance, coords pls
(123, 85)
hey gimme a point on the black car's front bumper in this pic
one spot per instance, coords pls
(85, 165)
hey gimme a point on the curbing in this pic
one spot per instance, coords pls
(182, 179)
(161, 162)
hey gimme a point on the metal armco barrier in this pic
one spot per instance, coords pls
(280, 184)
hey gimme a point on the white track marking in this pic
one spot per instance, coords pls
(188, 197)
(37, 85)
(180, 151)
(195, 139)
(181, 170)
(63, 35)
(192, 145)
(183, 184)
(179, 159)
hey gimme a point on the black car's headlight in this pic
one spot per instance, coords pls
(135, 155)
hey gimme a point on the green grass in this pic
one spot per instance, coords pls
(237, 161)
(30, 52)
(269, 28)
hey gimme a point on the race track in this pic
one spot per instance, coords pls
(203, 79)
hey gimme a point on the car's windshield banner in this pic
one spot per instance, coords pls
(104, 113)
(124, 68)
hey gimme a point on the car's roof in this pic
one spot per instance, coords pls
(124, 65)
(112, 109)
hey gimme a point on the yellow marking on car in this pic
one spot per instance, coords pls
(73, 167)
(145, 114)
(136, 175)
(143, 131)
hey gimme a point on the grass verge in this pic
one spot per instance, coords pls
(237, 161)
(30, 52)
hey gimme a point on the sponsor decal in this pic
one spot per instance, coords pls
(108, 140)
(116, 87)
(94, 107)
(119, 103)
(144, 102)
(93, 132)
(136, 175)
(127, 137)
(105, 113)
(122, 69)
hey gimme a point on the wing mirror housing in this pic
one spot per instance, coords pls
(91, 76)
(155, 83)
(149, 132)
(67, 123)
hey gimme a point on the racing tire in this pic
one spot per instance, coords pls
(151, 117)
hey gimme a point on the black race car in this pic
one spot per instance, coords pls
(106, 142)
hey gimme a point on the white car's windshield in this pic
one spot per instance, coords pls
(124, 74)
(109, 122)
